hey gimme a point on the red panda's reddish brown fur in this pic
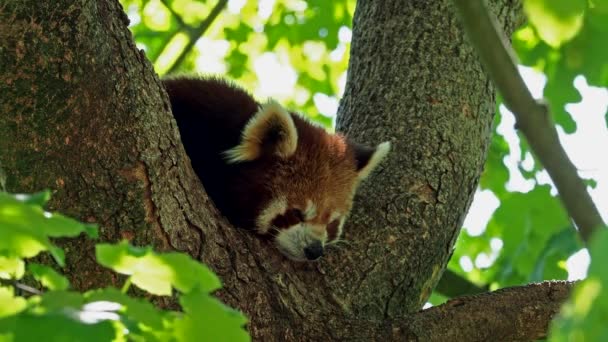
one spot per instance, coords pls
(267, 169)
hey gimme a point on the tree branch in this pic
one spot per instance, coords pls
(21, 287)
(195, 33)
(532, 117)
(175, 15)
(521, 313)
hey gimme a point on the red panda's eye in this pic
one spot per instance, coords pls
(289, 218)
(295, 215)
(332, 229)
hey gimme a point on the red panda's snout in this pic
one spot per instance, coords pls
(301, 229)
(304, 234)
(297, 243)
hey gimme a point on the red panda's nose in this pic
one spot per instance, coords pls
(314, 251)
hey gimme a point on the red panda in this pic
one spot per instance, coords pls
(268, 169)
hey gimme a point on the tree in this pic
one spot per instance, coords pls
(89, 118)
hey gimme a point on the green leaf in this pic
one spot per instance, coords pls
(239, 34)
(583, 317)
(560, 91)
(207, 319)
(157, 273)
(531, 50)
(437, 298)
(525, 222)
(49, 278)
(237, 61)
(63, 316)
(9, 304)
(60, 326)
(11, 267)
(25, 228)
(136, 309)
(38, 199)
(59, 300)
(558, 248)
(557, 21)
(495, 174)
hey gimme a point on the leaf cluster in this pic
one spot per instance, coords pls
(58, 313)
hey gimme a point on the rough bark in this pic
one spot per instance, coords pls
(512, 314)
(413, 79)
(84, 114)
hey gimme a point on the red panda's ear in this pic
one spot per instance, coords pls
(367, 158)
(269, 131)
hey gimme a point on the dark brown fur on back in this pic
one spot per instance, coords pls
(211, 114)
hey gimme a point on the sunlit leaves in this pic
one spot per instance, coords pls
(104, 314)
(11, 267)
(201, 311)
(583, 318)
(132, 310)
(536, 238)
(25, 228)
(557, 21)
(560, 91)
(170, 52)
(565, 39)
(526, 222)
(157, 273)
(156, 16)
(285, 28)
(549, 264)
(48, 277)
(9, 304)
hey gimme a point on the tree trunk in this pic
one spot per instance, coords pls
(83, 113)
(413, 79)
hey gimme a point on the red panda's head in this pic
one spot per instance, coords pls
(309, 178)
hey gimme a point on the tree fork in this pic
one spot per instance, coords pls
(84, 114)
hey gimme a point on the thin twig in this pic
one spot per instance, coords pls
(533, 118)
(182, 26)
(196, 33)
(22, 287)
(178, 18)
(27, 288)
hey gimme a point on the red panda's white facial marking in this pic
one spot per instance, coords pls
(276, 207)
(311, 210)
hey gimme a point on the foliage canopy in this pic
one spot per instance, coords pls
(106, 314)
